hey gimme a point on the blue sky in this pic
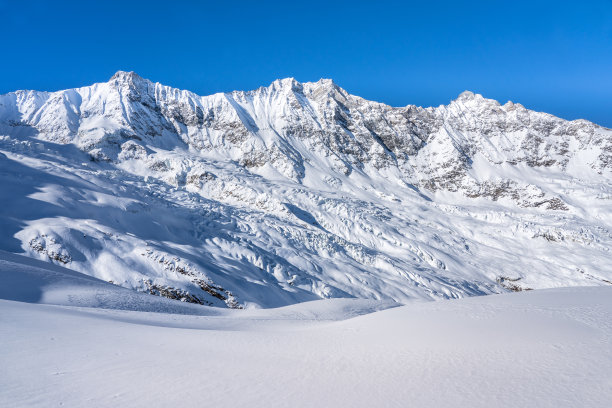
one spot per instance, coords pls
(549, 56)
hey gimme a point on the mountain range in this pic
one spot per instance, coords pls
(300, 191)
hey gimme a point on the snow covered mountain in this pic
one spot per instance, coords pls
(300, 191)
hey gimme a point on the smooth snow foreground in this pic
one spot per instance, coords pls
(530, 349)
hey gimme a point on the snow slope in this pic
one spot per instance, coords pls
(23, 279)
(301, 191)
(547, 348)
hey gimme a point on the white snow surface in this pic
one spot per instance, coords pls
(301, 191)
(67, 339)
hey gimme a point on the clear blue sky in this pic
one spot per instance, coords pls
(553, 56)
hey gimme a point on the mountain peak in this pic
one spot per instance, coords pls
(327, 86)
(326, 82)
(128, 78)
(468, 96)
(474, 99)
(290, 82)
(125, 75)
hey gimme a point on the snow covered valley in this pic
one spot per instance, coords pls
(71, 340)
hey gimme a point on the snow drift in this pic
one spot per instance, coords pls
(547, 348)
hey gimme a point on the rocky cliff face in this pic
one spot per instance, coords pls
(330, 194)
